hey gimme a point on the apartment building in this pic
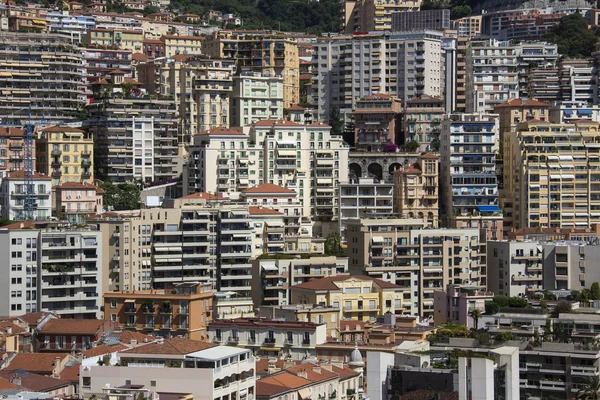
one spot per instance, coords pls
(569, 112)
(422, 120)
(304, 312)
(135, 139)
(376, 122)
(53, 268)
(14, 192)
(364, 196)
(534, 55)
(415, 20)
(363, 298)
(416, 190)
(55, 94)
(72, 26)
(154, 48)
(418, 260)
(273, 277)
(12, 142)
(467, 27)
(555, 168)
(69, 335)
(184, 310)
(124, 39)
(268, 235)
(256, 97)
(66, 154)
(515, 268)
(523, 24)
(260, 52)
(346, 68)
(75, 201)
(570, 266)
(469, 187)
(370, 15)
(188, 45)
(100, 62)
(456, 303)
(270, 338)
(543, 83)
(177, 365)
(227, 305)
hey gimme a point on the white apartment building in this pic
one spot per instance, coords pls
(514, 267)
(13, 195)
(203, 370)
(400, 64)
(567, 112)
(51, 268)
(72, 26)
(266, 337)
(256, 97)
(364, 197)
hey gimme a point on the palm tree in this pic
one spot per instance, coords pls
(475, 314)
(590, 389)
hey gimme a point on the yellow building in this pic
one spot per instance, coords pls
(124, 39)
(556, 170)
(358, 297)
(188, 45)
(416, 190)
(66, 154)
(373, 15)
(271, 55)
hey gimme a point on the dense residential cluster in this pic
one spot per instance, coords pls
(408, 208)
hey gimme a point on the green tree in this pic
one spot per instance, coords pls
(150, 9)
(548, 295)
(573, 36)
(595, 291)
(503, 336)
(335, 121)
(475, 314)
(333, 244)
(121, 197)
(590, 390)
(491, 307)
(458, 12)
(561, 307)
(5, 221)
(412, 145)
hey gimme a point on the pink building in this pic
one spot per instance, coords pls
(77, 200)
(455, 305)
(376, 121)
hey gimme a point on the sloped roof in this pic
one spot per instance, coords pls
(222, 131)
(327, 283)
(58, 128)
(173, 346)
(21, 175)
(103, 349)
(35, 382)
(279, 383)
(35, 362)
(269, 188)
(252, 210)
(520, 103)
(205, 196)
(72, 326)
(79, 186)
(19, 225)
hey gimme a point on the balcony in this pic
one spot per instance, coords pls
(269, 342)
(56, 153)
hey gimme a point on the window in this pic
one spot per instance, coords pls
(113, 303)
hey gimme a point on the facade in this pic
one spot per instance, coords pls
(59, 97)
(75, 201)
(568, 112)
(556, 180)
(455, 304)
(467, 27)
(304, 312)
(416, 190)
(185, 310)
(515, 268)
(69, 335)
(422, 120)
(255, 52)
(266, 337)
(135, 140)
(578, 81)
(375, 63)
(419, 261)
(124, 39)
(188, 45)
(569, 265)
(376, 122)
(469, 187)
(364, 196)
(369, 15)
(358, 297)
(415, 20)
(190, 367)
(13, 195)
(100, 62)
(12, 142)
(66, 154)
(52, 268)
(256, 98)
(523, 24)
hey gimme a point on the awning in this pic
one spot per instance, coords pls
(534, 185)
(377, 239)
(270, 348)
(287, 153)
(568, 176)
(432, 270)
(305, 393)
(568, 112)
(568, 214)
(584, 214)
(565, 158)
(595, 214)
(130, 301)
(275, 223)
(552, 158)
(581, 223)
(488, 208)
(567, 165)
(584, 112)
(175, 249)
(554, 176)
(324, 181)
(270, 268)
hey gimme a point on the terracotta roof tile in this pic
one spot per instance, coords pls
(79, 186)
(276, 123)
(171, 346)
(35, 382)
(296, 107)
(21, 175)
(126, 336)
(181, 57)
(72, 326)
(269, 188)
(520, 103)
(223, 131)
(262, 211)
(19, 225)
(279, 383)
(33, 318)
(42, 363)
(15, 329)
(11, 132)
(430, 155)
(205, 196)
(103, 349)
(313, 372)
(327, 283)
(4, 384)
(59, 129)
(139, 56)
(71, 373)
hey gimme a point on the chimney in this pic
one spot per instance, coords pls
(317, 370)
(133, 342)
(328, 367)
(9, 331)
(303, 375)
(16, 380)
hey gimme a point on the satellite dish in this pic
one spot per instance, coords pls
(425, 364)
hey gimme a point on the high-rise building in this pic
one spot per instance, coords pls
(376, 121)
(419, 260)
(66, 154)
(555, 170)
(389, 63)
(56, 95)
(372, 15)
(135, 139)
(469, 186)
(422, 121)
(255, 97)
(467, 27)
(415, 20)
(12, 141)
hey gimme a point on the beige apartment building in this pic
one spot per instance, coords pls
(66, 154)
(419, 260)
(373, 15)
(416, 190)
(273, 55)
(556, 168)
(467, 27)
(188, 45)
